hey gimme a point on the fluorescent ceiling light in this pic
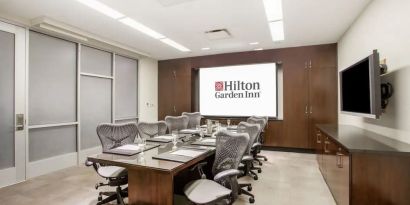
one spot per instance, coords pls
(206, 48)
(276, 30)
(258, 49)
(254, 43)
(94, 4)
(175, 45)
(142, 28)
(273, 10)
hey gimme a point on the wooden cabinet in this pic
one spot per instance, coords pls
(361, 167)
(174, 88)
(334, 164)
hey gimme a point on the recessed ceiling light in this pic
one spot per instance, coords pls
(254, 43)
(140, 27)
(205, 49)
(273, 9)
(175, 44)
(258, 49)
(96, 5)
(276, 30)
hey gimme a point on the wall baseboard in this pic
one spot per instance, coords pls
(7, 177)
(87, 152)
(287, 149)
(52, 164)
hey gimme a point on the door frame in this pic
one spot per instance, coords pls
(17, 173)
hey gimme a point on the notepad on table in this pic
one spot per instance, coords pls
(128, 147)
(167, 137)
(209, 140)
(187, 152)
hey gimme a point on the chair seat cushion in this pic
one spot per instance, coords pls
(112, 171)
(205, 191)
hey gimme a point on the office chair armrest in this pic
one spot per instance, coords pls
(256, 145)
(227, 173)
(88, 163)
(200, 170)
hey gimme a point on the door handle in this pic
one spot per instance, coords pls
(19, 122)
(311, 110)
(339, 159)
(175, 109)
(306, 109)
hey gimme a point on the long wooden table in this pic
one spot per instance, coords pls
(150, 181)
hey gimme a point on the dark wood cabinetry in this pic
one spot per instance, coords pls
(361, 167)
(175, 88)
(309, 89)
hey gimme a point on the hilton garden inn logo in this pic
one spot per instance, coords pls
(237, 89)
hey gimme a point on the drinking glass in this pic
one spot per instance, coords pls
(174, 138)
(228, 122)
(142, 144)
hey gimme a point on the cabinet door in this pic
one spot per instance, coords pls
(296, 108)
(341, 182)
(166, 90)
(182, 81)
(322, 98)
(319, 149)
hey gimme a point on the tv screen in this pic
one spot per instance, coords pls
(238, 91)
(360, 88)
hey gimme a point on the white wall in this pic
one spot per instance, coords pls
(384, 25)
(148, 89)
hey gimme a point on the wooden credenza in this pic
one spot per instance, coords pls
(362, 167)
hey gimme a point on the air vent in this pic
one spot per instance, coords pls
(218, 34)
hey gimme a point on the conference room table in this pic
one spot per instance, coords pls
(154, 181)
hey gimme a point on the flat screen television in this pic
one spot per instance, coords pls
(360, 88)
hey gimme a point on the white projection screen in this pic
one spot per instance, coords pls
(238, 91)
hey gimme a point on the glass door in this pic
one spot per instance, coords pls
(12, 104)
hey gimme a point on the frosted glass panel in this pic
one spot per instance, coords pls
(52, 141)
(96, 61)
(96, 108)
(52, 80)
(6, 100)
(126, 90)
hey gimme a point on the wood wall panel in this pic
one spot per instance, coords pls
(293, 130)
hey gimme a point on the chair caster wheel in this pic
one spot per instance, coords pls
(259, 170)
(265, 159)
(260, 163)
(249, 188)
(99, 198)
(255, 177)
(251, 200)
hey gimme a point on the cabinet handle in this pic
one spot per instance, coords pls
(311, 110)
(175, 109)
(326, 143)
(318, 141)
(306, 109)
(339, 159)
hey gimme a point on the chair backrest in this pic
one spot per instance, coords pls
(266, 118)
(194, 118)
(260, 121)
(115, 135)
(230, 148)
(151, 129)
(176, 123)
(252, 130)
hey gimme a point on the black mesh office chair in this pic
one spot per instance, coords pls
(230, 148)
(112, 136)
(176, 123)
(247, 159)
(151, 129)
(194, 118)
